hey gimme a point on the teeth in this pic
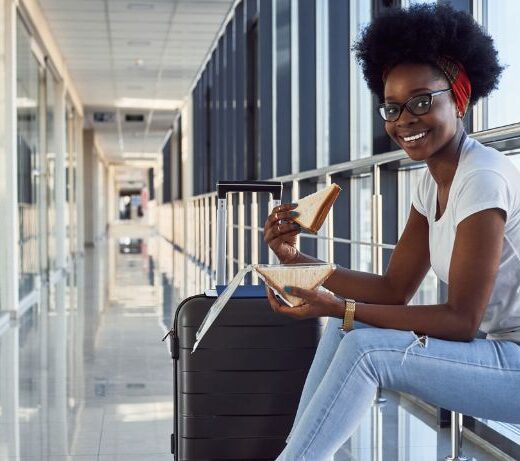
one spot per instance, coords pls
(415, 137)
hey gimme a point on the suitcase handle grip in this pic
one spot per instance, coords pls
(273, 187)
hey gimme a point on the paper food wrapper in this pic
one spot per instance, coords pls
(224, 297)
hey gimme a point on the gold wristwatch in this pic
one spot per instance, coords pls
(348, 319)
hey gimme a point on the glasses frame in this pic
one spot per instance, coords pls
(407, 102)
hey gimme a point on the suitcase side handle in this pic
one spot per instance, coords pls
(273, 187)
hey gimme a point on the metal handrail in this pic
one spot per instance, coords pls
(198, 235)
(485, 137)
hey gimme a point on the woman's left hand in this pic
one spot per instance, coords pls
(317, 304)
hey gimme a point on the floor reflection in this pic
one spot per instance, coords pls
(84, 375)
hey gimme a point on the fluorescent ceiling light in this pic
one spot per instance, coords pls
(143, 103)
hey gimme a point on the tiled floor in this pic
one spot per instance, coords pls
(91, 379)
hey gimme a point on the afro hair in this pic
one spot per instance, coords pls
(421, 34)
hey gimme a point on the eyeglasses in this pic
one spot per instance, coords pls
(416, 105)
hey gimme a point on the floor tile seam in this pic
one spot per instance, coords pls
(102, 432)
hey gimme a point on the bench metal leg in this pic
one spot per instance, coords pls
(379, 396)
(456, 438)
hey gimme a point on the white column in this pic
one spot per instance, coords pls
(80, 208)
(9, 230)
(97, 197)
(8, 160)
(113, 205)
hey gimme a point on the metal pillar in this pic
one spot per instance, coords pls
(456, 438)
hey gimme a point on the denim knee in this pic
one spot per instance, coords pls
(362, 339)
(356, 347)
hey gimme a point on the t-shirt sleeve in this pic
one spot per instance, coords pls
(419, 197)
(481, 190)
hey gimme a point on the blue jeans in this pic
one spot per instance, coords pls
(479, 378)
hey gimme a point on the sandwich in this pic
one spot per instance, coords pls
(308, 276)
(313, 208)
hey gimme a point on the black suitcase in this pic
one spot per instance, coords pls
(236, 396)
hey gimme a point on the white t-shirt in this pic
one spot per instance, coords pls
(484, 179)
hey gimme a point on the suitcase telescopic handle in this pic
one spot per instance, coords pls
(223, 188)
(272, 187)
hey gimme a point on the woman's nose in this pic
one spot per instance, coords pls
(406, 118)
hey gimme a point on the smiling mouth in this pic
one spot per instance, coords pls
(414, 138)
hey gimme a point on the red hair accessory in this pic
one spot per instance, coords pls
(459, 81)
(457, 77)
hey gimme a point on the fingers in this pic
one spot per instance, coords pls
(278, 230)
(280, 222)
(307, 295)
(284, 207)
(299, 312)
(277, 216)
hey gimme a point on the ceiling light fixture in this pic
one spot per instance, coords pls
(143, 103)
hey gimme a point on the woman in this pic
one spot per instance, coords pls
(427, 64)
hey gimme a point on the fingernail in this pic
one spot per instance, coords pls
(294, 213)
(287, 289)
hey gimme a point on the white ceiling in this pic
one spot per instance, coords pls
(148, 51)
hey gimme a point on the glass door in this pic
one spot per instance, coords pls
(29, 71)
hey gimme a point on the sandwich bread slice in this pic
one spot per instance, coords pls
(308, 276)
(313, 208)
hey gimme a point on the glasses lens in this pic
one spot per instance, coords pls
(420, 105)
(390, 112)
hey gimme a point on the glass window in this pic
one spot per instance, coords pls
(360, 96)
(361, 219)
(407, 183)
(502, 25)
(51, 171)
(414, 435)
(27, 79)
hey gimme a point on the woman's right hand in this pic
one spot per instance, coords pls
(280, 232)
